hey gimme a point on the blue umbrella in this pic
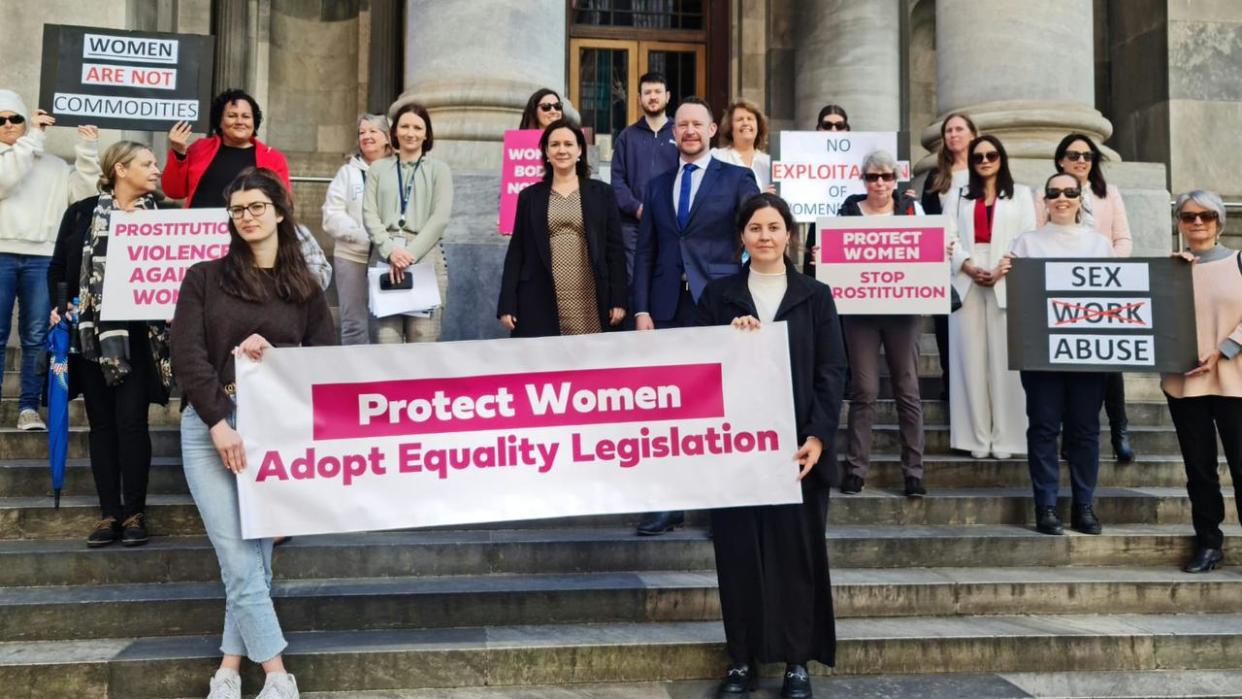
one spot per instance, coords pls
(58, 397)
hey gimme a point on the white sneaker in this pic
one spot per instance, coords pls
(225, 685)
(28, 420)
(979, 454)
(1002, 455)
(279, 685)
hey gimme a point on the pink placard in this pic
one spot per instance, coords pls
(521, 167)
(870, 245)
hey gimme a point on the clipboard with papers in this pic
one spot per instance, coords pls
(420, 299)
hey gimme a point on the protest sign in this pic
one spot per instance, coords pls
(885, 265)
(817, 170)
(387, 436)
(149, 253)
(1092, 314)
(140, 81)
(521, 167)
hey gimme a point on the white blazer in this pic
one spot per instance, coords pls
(1011, 218)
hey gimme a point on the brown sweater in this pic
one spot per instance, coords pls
(1218, 324)
(210, 322)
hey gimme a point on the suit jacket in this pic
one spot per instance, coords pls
(527, 290)
(1010, 219)
(707, 248)
(816, 357)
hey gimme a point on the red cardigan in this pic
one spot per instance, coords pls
(181, 175)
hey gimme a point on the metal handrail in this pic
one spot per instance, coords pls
(310, 179)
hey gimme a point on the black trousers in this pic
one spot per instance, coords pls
(1115, 402)
(120, 441)
(1056, 399)
(775, 591)
(1198, 420)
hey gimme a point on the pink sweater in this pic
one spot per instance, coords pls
(1109, 216)
(1218, 319)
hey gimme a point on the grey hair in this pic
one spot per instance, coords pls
(879, 159)
(1208, 200)
(379, 121)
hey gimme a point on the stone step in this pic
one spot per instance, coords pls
(16, 445)
(31, 478)
(564, 551)
(175, 609)
(503, 656)
(158, 415)
(176, 515)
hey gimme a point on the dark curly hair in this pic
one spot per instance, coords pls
(224, 99)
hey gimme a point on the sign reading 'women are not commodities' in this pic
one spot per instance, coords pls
(393, 436)
(885, 265)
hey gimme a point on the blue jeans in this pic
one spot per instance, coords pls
(23, 278)
(250, 625)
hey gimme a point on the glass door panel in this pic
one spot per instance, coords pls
(682, 64)
(604, 83)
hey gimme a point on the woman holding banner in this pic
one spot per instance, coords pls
(743, 140)
(564, 272)
(772, 561)
(1062, 398)
(985, 397)
(259, 295)
(1207, 401)
(119, 367)
(405, 209)
(1104, 211)
(897, 334)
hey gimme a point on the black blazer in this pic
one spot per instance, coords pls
(816, 357)
(526, 287)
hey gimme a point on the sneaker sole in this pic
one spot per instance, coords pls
(99, 544)
(134, 542)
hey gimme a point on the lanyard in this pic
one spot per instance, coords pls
(404, 190)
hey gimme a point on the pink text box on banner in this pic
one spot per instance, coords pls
(521, 166)
(885, 265)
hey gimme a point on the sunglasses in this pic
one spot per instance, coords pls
(1056, 192)
(834, 126)
(1075, 155)
(1192, 216)
(551, 107)
(16, 120)
(988, 157)
(877, 176)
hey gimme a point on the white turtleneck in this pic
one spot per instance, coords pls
(767, 290)
(1056, 240)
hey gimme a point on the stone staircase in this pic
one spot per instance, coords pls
(952, 595)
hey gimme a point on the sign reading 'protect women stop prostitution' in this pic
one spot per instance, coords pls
(882, 265)
(391, 436)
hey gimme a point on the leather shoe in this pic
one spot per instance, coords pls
(1121, 446)
(851, 485)
(1083, 519)
(914, 487)
(660, 522)
(1205, 560)
(1047, 522)
(797, 683)
(740, 679)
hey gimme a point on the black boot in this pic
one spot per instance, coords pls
(797, 683)
(1205, 560)
(658, 523)
(739, 679)
(1047, 522)
(1118, 423)
(1084, 520)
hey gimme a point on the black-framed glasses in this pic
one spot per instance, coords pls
(1075, 155)
(16, 120)
(551, 107)
(990, 156)
(256, 209)
(1056, 192)
(1193, 216)
(877, 176)
(827, 125)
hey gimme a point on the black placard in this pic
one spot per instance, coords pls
(140, 81)
(1102, 314)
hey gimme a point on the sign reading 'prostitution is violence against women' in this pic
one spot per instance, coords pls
(149, 253)
(391, 436)
(884, 265)
(140, 81)
(1132, 314)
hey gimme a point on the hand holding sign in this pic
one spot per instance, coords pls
(1207, 364)
(43, 120)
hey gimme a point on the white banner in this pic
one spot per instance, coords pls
(884, 265)
(373, 437)
(149, 253)
(817, 170)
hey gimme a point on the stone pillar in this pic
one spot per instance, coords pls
(473, 95)
(383, 53)
(232, 29)
(848, 53)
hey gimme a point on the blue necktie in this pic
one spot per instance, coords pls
(683, 197)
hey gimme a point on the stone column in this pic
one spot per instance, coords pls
(382, 61)
(848, 53)
(475, 66)
(232, 29)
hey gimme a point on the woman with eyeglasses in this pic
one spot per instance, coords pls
(985, 397)
(543, 108)
(743, 138)
(897, 334)
(1206, 402)
(260, 295)
(1062, 399)
(1104, 211)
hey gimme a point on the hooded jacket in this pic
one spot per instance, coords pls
(342, 211)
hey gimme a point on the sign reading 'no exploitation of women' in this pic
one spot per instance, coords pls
(1133, 314)
(883, 265)
(391, 436)
(141, 81)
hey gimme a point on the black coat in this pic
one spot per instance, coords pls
(527, 290)
(816, 356)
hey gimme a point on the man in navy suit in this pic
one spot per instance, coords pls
(686, 238)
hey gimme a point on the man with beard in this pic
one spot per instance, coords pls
(687, 238)
(643, 150)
